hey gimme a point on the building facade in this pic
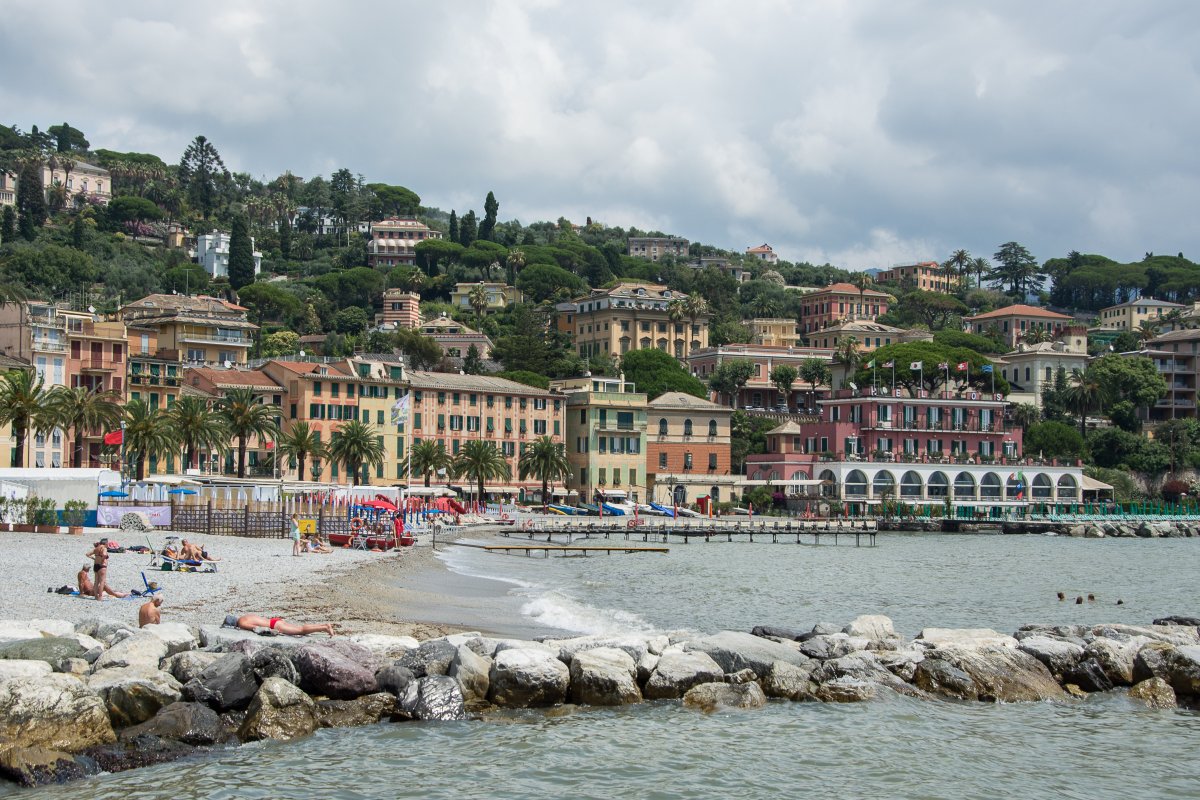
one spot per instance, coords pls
(605, 437)
(775, 332)
(394, 241)
(655, 247)
(868, 335)
(1030, 368)
(1176, 354)
(688, 450)
(197, 330)
(763, 253)
(759, 392)
(1128, 316)
(212, 252)
(400, 308)
(926, 276)
(455, 338)
(841, 301)
(499, 296)
(1013, 322)
(631, 316)
(733, 270)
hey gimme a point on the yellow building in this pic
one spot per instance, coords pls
(201, 330)
(632, 316)
(381, 387)
(1129, 316)
(926, 276)
(606, 437)
(499, 296)
(775, 332)
(869, 335)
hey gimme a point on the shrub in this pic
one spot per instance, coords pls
(1173, 488)
(74, 512)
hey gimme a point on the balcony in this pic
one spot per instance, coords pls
(49, 346)
(920, 425)
(201, 337)
(99, 365)
(626, 427)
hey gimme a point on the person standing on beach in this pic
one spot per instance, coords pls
(148, 614)
(295, 534)
(99, 556)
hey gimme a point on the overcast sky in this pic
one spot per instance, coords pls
(862, 133)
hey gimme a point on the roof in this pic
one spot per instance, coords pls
(787, 427)
(681, 400)
(447, 322)
(235, 378)
(182, 302)
(651, 291)
(196, 319)
(469, 383)
(1180, 335)
(1020, 310)
(850, 288)
(1146, 301)
(865, 326)
(8, 362)
(762, 248)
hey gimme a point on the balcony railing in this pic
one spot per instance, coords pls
(213, 338)
(48, 346)
(943, 426)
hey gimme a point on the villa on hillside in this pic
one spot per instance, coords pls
(1013, 322)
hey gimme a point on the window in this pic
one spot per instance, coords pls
(335, 390)
(316, 387)
(539, 427)
(662, 427)
(687, 460)
(662, 460)
(712, 460)
(712, 427)
(687, 427)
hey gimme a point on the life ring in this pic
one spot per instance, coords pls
(631, 524)
(356, 523)
(504, 516)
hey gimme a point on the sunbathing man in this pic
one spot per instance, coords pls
(148, 614)
(86, 587)
(249, 622)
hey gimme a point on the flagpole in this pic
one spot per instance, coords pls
(122, 469)
(893, 377)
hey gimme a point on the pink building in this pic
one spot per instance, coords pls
(840, 301)
(401, 308)
(759, 391)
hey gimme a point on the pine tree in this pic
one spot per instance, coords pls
(77, 232)
(8, 227)
(199, 169)
(453, 235)
(285, 237)
(468, 229)
(487, 230)
(241, 254)
(31, 200)
(473, 364)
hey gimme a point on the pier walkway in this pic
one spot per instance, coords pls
(814, 532)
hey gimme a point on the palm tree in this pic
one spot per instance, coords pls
(515, 263)
(547, 460)
(980, 265)
(299, 442)
(1026, 415)
(482, 462)
(695, 307)
(1174, 318)
(847, 353)
(199, 427)
(24, 405)
(356, 443)
(1036, 336)
(148, 433)
(1085, 394)
(414, 280)
(1147, 329)
(959, 264)
(862, 280)
(763, 307)
(429, 456)
(83, 411)
(246, 416)
(477, 298)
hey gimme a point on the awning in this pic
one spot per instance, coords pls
(1093, 485)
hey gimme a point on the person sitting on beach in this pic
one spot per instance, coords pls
(148, 614)
(250, 622)
(189, 551)
(88, 589)
(315, 545)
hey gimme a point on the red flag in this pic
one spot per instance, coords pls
(116, 437)
(963, 366)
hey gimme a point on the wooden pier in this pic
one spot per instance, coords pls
(806, 533)
(563, 549)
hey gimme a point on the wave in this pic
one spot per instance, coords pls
(557, 609)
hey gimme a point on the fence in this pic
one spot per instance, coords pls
(273, 524)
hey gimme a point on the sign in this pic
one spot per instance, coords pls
(110, 516)
(308, 527)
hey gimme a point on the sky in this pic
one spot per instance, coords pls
(860, 133)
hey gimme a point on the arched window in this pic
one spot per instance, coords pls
(680, 495)
(964, 486)
(856, 484)
(687, 427)
(1043, 487)
(1016, 489)
(662, 427)
(712, 427)
(1068, 489)
(714, 494)
(883, 483)
(828, 483)
(989, 487)
(910, 485)
(939, 485)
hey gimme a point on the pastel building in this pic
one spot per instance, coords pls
(688, 450)
(400, 308)
(631, 316)
(394, 241)
(1129, 316)
(763, 253)
(868, 335)
(775, 332)
(323, 395)
(197, 330)
(925, 276)
(455, 338)
(1030, 368)
(655, 247)
(841, 301)
(606, 437)
(1013, 322)
(212, 252)
(499, 296)
(759, 392)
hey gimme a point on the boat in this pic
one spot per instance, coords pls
(614, 511)
(649, 509)
(670, 512)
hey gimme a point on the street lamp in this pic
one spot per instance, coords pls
(674, 508)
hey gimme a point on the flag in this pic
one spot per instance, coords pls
(871, 364)
(943, 365)
(917, 365)
(963, 366)
(987, 368)
(115, 437)
(400, 410)
(889, 365)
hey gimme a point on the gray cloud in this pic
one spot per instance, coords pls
(861, 133)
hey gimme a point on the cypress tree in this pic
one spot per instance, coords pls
(468, 229)
(31, 200)
(8, 227)
(285, 237)
(77, 230)
(453, 235)
(241, 254)
(487, 228)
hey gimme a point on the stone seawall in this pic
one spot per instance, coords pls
(101, 696)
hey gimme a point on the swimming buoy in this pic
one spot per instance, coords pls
(356, 524)
(504, 516)
(631, 524)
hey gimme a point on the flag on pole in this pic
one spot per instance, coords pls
(871, 364)
(963, 366)
(944, 365)
(889, 365)
(114, 437)
(917, 365)
(400, 410)
(987, 368)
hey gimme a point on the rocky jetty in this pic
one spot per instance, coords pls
(98, 696)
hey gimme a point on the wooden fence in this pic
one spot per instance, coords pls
(255, 524)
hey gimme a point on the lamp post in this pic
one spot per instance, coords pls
(674, 507)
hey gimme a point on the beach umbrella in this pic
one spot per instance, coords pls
(114, 493)
(381, 505)
(181, 491)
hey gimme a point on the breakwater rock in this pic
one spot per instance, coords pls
(75, 700)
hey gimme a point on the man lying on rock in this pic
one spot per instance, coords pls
(257, 624)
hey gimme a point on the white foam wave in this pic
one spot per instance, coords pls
(558, 610)
(461, 562)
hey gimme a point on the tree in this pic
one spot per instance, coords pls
(128, 208)
(428, 457)
(934, 309)
(1147, 329)
(280, 343)
(78, 232)
(481, 462)
(83, 411)
(301, 443)
(352, 320)
(423, 352)
(241, 254)
(525, 377)
(1054, 440)
(468, 229)
(541, 282)
(353, 287)
(1017, 269)
(8, 227)
(1085, 394)
(487, 228)
(814, 372)
(1181, 438)
(148, 434)
(783, 376)
(1135, 379)
(654, 372)
(24, 404)
(430, 252)
(199, 428)
(244, 415)
(514, 263)
(392, 200)
(472, 363)
(285, 237)
(452, 233)
(1026, 415)
(730, 377)
(546, 460)
(68, 139)
(477, 298)
(200, 169)
(356, 444)
(31, 200)
(847, 353)
(959, 264)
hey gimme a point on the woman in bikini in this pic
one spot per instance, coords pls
(99, 556)
(249, 622)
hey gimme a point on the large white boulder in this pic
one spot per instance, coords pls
(677, 671)
(526, 678)
(176, 636)
(33, 628)
(139, 650)
(23, 668)
(604, 676)
(965, 638)
(56, 711)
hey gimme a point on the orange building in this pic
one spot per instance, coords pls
(324, 396)
(927, 276)
(841, 301)
(1013, 322)
(217, 383)
(401, 308)
(688, 453)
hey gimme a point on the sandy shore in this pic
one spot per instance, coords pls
(359, 591)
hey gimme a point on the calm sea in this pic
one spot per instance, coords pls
(1105, 747)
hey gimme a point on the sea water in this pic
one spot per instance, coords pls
(1103, 747)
